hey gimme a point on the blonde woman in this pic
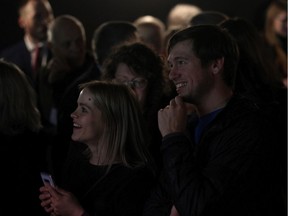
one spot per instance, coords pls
(114, 175)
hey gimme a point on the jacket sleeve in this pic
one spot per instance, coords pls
(226, 164)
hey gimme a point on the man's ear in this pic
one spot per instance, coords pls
(217, 65)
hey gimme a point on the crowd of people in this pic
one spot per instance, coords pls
(181, 117)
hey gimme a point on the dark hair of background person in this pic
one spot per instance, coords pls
(110, 34)
(18, 101)
(258, 78)
(257, 73)
(144, 62)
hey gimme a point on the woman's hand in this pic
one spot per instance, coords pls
(59, 202)
(45, 199)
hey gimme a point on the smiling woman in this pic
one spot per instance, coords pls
(114, 174)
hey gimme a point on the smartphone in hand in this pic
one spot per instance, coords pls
(47, 179)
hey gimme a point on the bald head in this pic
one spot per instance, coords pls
(64, 26)
(151, 31)
(67, 40)
(180, 15)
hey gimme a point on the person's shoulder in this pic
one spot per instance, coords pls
(242, 104)
(247, 112)
(27, 142)
(11, 50)
(23, 136)
(16, 53)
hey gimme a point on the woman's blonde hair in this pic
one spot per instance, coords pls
(125, 133)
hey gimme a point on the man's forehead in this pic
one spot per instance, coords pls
(180, 50)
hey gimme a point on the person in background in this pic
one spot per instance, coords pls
(276, 23)
(180, 15)
(208, 18)
(114, 174)
(31, 53)
(257, 78)
(178, 18)
(275, 32)
(67, 41)
(24, 146)
(71, 60)
(220, 159)
(257, 75)
(151, 31)
(140, 68)
(109, 35)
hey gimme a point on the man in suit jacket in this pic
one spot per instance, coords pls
(31, 52)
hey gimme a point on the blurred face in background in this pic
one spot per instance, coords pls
(280, 24)
(35, 18)
(68, 44)
(138, 84)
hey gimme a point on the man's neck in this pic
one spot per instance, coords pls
(30, 43)
(214, 102)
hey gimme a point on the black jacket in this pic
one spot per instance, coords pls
(234, 170)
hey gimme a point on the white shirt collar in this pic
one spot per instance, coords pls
(30, 45)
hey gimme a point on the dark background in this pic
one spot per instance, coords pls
(93, 12)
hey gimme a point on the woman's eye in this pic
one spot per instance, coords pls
(181, 62)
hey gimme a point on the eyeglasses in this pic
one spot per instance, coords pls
(138, 83)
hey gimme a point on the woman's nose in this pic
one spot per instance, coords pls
(73, 114)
